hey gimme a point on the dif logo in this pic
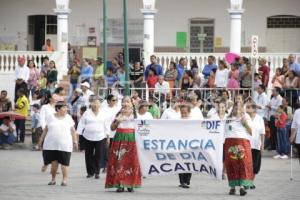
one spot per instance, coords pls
(143, 128)
(211, 125)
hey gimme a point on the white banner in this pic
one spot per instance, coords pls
(180, 146)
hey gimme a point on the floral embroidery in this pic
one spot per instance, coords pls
(237, 152)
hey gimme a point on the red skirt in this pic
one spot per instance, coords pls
(123, 165)
(238, 162)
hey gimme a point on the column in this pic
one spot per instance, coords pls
(148, 44)
(235, 13)
(62, 11)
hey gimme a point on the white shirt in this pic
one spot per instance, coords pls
(5, 130)
(196, 113)
(170, 113)
(22, 73)
(163, 88)
(261, 100)
(296, 125)
(93, 127)
(235, 129)
(212, 112)
(86, 97)
(275, 103)
(59, 135)
(145, 116)
(223, 122)
(258, 129)
(46, 112)
(110, 113)
(221, 79)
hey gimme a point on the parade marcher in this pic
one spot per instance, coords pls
(185, 178)
(237, 149)
(94, 128)
(295, 133)
(257, 139)
(57, 141)
(123, 165)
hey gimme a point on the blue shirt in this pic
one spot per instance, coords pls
(110, 80)
(295, 67)
(180, 70)
(158, 68)
(208, 69)
(122, 78)
(86, 72)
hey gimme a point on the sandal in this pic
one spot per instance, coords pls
(243, 192)
(232, 191)
(130, 189)
(120, 190)
(44, 168)
(52, 183)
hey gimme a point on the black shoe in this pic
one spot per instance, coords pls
(252, 187)
(246, 187)
(130, 189)
(97, 176)
(232, 191)
(120, 190)
(185, 186)
(63, 184)
(89, 176)
(243, 192)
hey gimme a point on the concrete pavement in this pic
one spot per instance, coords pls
(20, 178)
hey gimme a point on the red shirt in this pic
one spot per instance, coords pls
(265, 76)
(152, 80)
(281, 122)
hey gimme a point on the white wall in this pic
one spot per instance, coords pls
(172, 16)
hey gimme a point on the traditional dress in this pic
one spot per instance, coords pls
(123, 165)
(238, 157)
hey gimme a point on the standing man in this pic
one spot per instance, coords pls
(22, 107)
(136, 76)
(22, 76)
(185, 178)
(208, 68)
(261, 100)
(293, 65)
(155, 66)
(257, 138)
(264, 71)
(162, 90)
(48, 46)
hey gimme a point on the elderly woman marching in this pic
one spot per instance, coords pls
(123, 165)
(58, 139)
(237, 149)
(94, 128)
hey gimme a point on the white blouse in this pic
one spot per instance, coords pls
(93, 127)
(235, 129)
(59, 134)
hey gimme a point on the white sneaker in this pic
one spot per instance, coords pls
(284, 157)
(277, 156)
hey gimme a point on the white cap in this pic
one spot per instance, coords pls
(86, 84)
(78, 90)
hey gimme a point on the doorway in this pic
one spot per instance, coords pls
(201, 35)
(40, 28)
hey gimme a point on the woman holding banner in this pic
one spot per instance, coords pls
(185, 178)
(123, 165)
(237, 149)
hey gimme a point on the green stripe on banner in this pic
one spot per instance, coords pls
(130, 137)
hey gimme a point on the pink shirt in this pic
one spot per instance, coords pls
(33, 77)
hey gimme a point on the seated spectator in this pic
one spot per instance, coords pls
(196, 113)
(7, 133)
(5, 103)
(173, 112)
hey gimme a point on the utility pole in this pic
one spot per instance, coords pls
(126, 55)
(104, 36)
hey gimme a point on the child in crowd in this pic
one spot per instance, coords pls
(36, 128)
(7, 133)
(233, 77)
(42, 83)
(211, 79)
(282, 138)
(257, 80)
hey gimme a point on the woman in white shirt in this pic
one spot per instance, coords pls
(237, 149)
(222, 73)
(295, 136)
(196, 113)
(58, 138)
(143, 113)
(94, 127)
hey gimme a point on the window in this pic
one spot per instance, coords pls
(283, 21)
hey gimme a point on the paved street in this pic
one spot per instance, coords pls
(20, 178)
